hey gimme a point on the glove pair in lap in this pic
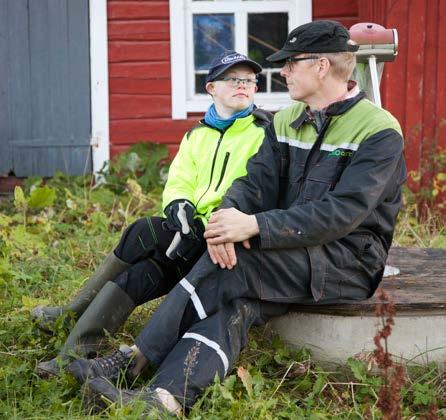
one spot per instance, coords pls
(189, 231)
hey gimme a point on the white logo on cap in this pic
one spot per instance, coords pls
(231, 58)
(292, 40)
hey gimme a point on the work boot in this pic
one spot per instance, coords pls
(49, 369)
(108, 311)
(160, 399)
(108, 367)
(111, 267)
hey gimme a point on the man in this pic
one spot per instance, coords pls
(155, 253)
(315, 214)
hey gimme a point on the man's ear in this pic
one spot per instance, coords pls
(324, 66)
(256, 88)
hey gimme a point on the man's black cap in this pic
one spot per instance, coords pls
(321, 36)
(226, 60)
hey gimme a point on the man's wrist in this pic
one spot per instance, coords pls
(253, 226)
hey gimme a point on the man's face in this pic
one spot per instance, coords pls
(230, 96)
(302, 78)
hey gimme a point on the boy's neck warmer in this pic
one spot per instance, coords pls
(214, 120)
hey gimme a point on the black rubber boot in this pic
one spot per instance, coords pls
(111, 267)
(108, 311)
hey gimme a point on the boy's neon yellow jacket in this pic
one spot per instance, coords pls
(209, 160)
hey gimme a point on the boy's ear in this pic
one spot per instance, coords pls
(210, 88)
(257, 88)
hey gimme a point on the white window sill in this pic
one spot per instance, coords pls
(200, 103)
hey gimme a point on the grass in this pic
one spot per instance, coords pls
(50, 241)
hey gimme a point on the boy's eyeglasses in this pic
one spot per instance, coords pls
(290, 60)
(236, 81)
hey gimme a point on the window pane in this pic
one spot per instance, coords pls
(267, 33)
(213, 34)
(200, 83)
(278, 83)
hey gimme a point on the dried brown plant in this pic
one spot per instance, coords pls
(394, 375)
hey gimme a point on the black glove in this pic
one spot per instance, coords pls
(186, 247)
(180, 216)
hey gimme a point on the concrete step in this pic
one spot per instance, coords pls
(336, 332)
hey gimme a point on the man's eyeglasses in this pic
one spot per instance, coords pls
(236, 81)
(290, 60)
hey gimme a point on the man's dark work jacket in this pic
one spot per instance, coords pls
(336, 193)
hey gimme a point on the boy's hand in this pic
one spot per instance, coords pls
(180, 216)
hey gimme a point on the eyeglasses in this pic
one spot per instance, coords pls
(290, 60)
(236, 81)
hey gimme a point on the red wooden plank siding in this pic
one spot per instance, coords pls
(415, 84)
(139, 30)
(345, 11)
(118, 9)
(147, 70)
(414, 89)
(441, 76)
(134, 51)
(139, 75)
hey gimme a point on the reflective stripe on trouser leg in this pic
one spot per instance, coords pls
(194, 297)
(213, 345)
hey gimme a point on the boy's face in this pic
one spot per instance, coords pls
(230, 97)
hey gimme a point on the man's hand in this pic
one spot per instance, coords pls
(226, 227)
(224, 254)
(230, 225)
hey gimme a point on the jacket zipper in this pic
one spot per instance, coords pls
(310, 159)
(223, 170)
(316, 147)
(212, 171)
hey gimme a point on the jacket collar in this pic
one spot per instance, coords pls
(241, 124)
(336, 108)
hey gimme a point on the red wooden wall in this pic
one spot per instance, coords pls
(414, 87)
(139, 68)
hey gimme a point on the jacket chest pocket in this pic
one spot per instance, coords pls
(322, 178)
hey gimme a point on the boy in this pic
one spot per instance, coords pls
(155, 253)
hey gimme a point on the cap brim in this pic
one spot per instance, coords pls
(280, 55)
(255, 66)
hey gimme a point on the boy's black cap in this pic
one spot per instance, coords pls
(321, 36)
(226, 60)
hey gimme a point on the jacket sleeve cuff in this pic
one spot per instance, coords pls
(265, 237)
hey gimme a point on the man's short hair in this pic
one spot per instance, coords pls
(342, 64)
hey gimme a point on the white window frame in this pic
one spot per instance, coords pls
(100, 136)
(184, 100)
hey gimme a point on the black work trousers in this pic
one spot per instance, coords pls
(201, 326)
(151, 274)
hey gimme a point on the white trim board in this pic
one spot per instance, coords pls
(100, 136)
